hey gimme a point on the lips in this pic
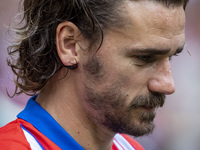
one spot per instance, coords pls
(149, 108)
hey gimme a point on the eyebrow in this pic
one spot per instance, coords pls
(153, 51)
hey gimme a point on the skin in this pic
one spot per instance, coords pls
(115, 83)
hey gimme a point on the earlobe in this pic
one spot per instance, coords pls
(66, 40)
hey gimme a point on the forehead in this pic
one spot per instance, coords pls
(150, 20)
(155, 15)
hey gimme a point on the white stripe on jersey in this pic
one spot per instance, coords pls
(118, 145)
(31, 140)
(122, 143)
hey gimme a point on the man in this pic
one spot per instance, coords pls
(100, 70)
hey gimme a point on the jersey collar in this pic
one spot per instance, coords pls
(47, 125)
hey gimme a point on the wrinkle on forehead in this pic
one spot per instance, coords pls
(156, 18)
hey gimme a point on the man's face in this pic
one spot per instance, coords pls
(129, 76)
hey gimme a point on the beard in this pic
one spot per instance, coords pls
(109, 106)
(136, 119)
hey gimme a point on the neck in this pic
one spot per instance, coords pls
(61, 99)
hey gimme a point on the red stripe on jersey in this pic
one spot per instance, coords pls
(134, 143)
(12, 137)
(12, 132)
(42, 139)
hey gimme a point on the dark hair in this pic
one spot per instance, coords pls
(35, 48)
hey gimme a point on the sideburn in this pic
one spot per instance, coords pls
(107, 100)
(93, 67)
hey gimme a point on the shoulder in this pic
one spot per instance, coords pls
(12, 136)
(123, 141)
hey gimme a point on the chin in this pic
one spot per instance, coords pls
(138, 130)
(143, 130)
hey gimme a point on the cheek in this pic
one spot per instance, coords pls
(133, 81)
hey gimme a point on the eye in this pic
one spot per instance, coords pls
(141, 60)
(146, 58)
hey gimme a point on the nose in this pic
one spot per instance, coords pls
(162, 81)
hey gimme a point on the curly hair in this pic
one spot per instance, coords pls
(33, 57)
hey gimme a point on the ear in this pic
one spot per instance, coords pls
(66, 40)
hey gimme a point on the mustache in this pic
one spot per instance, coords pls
(151, 100)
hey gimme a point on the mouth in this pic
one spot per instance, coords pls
(149, 108)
